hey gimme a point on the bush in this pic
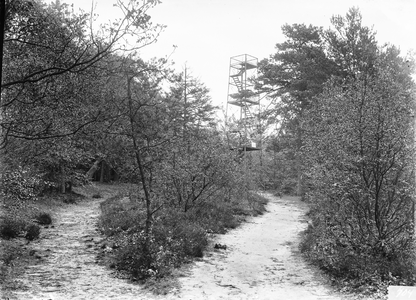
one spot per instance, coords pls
(257, 203)
(360, 263)
(117, 216)
(214, 217)
(194, 240)
(32, 232)
(175, 236)
(43, 218)
(172, 241)
(219, 216)
(11, 227)
(177, 226)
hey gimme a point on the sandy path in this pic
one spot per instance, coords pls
(261, 261)
(67, 267)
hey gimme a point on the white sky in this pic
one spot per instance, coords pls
(209, 32)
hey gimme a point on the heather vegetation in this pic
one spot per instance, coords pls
(175, 237)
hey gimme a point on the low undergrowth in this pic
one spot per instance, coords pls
(357, 267)
(175, 237)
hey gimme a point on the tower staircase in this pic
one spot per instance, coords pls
(242, 101)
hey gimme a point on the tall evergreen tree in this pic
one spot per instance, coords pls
(291, 78)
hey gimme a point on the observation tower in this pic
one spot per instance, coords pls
(242, 119)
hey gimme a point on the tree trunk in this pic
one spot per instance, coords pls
(93, 169)
(149, 214)
(63, 188)
(102, 171)
(275, 184)
(299, 185)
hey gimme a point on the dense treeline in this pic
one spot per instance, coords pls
(71, 96)
(346, 141)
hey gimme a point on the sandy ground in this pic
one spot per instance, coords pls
(261, 261)
(67, 265)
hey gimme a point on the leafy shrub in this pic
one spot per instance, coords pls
(11, 227)
(129, 257)
(361, 263)
(133, 257)
(359, 155)
(32, 232)
(43, 218)
(194, 239)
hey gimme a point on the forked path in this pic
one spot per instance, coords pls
(261, 261)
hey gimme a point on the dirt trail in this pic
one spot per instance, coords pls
(67, 253)
(260, 262)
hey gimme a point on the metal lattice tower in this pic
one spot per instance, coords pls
(243, 104)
